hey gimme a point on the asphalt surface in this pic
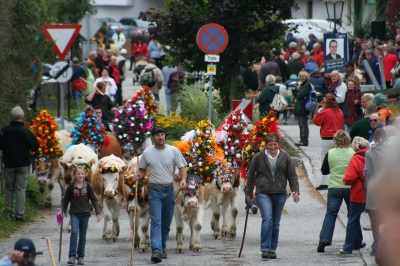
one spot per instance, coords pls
(298, 240)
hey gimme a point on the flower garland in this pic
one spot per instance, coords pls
(264, 125)
(193, 184)
(105, 170)
(87, 129)
(132, 124)
(145, 95)
(226, 172)
(44, 128)
(86, 166)
(232, 137)
(132, 185)
(201, 152)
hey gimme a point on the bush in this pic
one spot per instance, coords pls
(194, 102)
(175, 126)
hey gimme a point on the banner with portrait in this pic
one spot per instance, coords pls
(336, 51)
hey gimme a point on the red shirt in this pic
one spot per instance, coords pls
(389, 61)
(140, 49)
(330, 121)
(354, 177)
(318, 57)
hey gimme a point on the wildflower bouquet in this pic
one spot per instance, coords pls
(44, 128)
(201, 151)
(264, 125)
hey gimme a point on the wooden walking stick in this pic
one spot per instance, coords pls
(61, 231)
(134, 214)
(53, 262)
(247, 216)
(91, 85)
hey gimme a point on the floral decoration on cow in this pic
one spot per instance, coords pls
(193, 184)
(145, 95)
(201, 151)
(232, 137)
(264, 125)
(44, 128)
(226, 173)
(88, 130)
(111, 169)
(132, 184)
(132, 125)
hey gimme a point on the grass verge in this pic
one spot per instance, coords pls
(8, 224)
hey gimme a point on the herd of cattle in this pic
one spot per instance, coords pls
(114, 192)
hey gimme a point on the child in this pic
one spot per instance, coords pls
(78, 193)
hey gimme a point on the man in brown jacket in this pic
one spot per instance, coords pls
(154, 74)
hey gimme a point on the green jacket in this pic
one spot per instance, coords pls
(361, 128)
(300, 106)
(265, 98)
(338, 160)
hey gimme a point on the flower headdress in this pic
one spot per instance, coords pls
(87, 129)
(44, 128)
(145, 95)
(201, 152)
(132, 185)
(264, 125)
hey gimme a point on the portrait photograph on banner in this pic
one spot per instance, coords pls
(335, 51)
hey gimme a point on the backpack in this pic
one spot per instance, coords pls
(278, 103)
(148, 78)
(311, 101)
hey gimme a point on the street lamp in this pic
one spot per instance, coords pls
(334, 8)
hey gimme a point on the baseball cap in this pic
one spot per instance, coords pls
(156, 130)
(349, 64)
(26, 245)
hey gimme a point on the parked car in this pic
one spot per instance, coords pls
(106, 20)
(126, 29)
(141, 25)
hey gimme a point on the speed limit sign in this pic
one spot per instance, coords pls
(211, 69)
(59, 66)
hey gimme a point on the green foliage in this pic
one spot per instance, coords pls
(175, 126)
(252, 27)
(194, 102)
(22, 42)
(68, 11)
(393, 15)
(9, 225)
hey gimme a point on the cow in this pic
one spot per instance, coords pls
(108, 183)
(226, 194)
(47, 170)
(113, 147)
(189, 207)
(142, 221)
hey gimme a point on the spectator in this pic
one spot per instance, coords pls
(311, 65)
(267, 95)
(354, 104)
(374, 64)
(115, 74)
(380, 101)
(391, 43)
(375, 120)
(301, 45)
(91, 57)
(377, 43)
(96, 98)
(111, 88)
(99, 61)
(119, 38)
(266, 69)
(300, 107)
(110, 30)
(121, 59)
(350, 73)
(91, 71)
(292, 49)
(354, 177)
(78, 85)
(362, 127)
(318, 55)
(339, 89)
(99, 116)
(373, 165)
(330, 118)
(304, 54)
(368, 40)
(389, 61)
(250, 79)
(295, 65)
(167, 71)
(361, 56)
(140, 48)
(282, 65)
(271, 191)
(113, 47)
(312, 41)
(365, 100)
(24, 253)
(289, 39)
(284, 93)
(158, 78)
(155, 52)
(290, 84)
(17, 142)
(357, 52)
(396, 70)
(379, 51)
(335, 164)
(175, 84)
(319, 84)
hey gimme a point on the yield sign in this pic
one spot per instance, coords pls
(246, 106)
(63, 37)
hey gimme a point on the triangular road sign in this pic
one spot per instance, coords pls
(63, 36)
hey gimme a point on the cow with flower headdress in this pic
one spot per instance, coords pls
(108, 183)
(201, 152)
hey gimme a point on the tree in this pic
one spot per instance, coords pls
(253, 27)
(68, 11)
(393, 15)
(23, 46)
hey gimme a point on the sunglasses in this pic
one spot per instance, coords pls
(373, 120)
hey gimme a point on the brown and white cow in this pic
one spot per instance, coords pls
(142, 221)
(189, 207)
(47, 170)
(225, 200)
(108, 182)
(113, 147)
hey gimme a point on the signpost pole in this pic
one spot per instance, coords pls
(62, 105)
(88, 32)
(210, 99)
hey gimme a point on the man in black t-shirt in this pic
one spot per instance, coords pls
(98, 98)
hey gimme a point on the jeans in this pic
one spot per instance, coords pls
(347, 128)
(118, 96)
(303, 125)
(326, 145)
(77, 98)
(156, 97)
(354, 235)
(16, 180)
(253, 202)
(168, 99)
(335, 198)
(79, 224)
(285, 114)
(271, 206)
(161, 204)
(373, 217)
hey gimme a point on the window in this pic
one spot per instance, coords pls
(309, 10)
